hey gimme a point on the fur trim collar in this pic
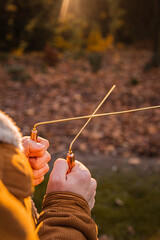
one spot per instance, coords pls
(9, 132)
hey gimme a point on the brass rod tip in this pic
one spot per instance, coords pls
(70, 150)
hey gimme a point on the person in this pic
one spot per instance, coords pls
(66, 211)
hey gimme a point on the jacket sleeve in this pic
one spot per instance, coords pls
(65, 216)
(15, 222)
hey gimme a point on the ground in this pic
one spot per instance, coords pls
(32, 92)
(122, 152)
(127, 200)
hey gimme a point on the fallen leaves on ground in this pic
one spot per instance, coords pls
(71, 89)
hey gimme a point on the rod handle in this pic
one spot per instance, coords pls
(70, 160)
(34, 135)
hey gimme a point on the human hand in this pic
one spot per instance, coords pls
(37, 154)
(78, 181)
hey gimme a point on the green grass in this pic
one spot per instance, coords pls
(137, 217)
(39, 193)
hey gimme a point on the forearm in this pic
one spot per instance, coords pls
(66, 216)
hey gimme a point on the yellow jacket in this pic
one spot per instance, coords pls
(64, 215)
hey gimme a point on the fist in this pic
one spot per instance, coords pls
(37, 154)
(78, 181)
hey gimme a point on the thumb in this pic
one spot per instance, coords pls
(31, 148)
(35, 146)
(60, 169)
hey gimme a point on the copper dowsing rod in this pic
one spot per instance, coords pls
(101, 103)
(34, 131)
(96, 115)
(70, 155)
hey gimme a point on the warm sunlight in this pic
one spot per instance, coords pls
(63, 129)
(75, 4)
(64, 9)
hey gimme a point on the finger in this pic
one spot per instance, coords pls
(60, 169)
(44, 142)
(38, 181)
(92, 189)
(78, 166)
(94, 183)
(32, 148)
(41, 172)
(40, 162)
(92, 195)
(91, 199)
(91, 204)
(82, 172)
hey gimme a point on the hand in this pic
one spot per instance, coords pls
(38, 157)
(78, 181)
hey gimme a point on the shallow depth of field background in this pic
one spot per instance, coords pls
(59, 62)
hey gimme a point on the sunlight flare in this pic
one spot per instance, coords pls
(69, 5)
(64, 9)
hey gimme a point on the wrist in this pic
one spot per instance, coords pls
(66, 200)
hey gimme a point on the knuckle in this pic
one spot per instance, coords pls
(47, 143)
(46, 168)
(40, 172)
(59, 160)
(44, 142)
(38, 181)
(36, 174)
(85, 175)
(42, 153)
(48, 157)
(41, 163)
(91, 205)
(36, 165)
(94, 183)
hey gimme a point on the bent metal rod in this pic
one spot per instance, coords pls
(93, 116)
(70, 155)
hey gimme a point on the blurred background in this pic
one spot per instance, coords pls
(58, 59)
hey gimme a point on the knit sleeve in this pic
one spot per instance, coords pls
(66, 216)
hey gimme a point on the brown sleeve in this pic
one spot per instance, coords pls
(66, 216)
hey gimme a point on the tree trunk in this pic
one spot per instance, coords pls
(156, 35)
(155, 59)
